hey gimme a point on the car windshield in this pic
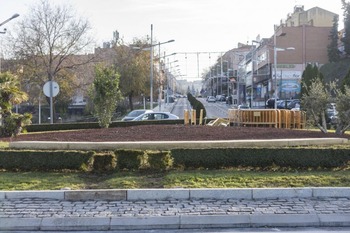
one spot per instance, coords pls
(135, 113)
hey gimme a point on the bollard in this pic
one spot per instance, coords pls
(201, 117)
(193, 117)
(186, 117)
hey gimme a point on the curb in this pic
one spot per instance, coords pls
(180, 194)
(166, 145)
(174, 222)
(178, 221)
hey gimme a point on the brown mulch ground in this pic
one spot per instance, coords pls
(172, 133)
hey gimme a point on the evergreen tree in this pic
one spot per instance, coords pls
(332, 49)
(310, 73)
(105, 94)
(345, 82)
(346, 38)
(10, 94)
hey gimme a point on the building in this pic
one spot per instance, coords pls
(299, 40)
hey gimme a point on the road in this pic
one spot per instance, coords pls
(214, 110)
(180, 106)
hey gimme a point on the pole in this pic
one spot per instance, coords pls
(151, 88)
(252, 88)
(160, 86)
(238, 100)
(39, 107)
(275, 66)
(51, 98)
(221, 74)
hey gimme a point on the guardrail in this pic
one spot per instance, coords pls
(279, 118)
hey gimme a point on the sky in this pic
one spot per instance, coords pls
(202, 29)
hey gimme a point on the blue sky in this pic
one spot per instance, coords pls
(195, 25)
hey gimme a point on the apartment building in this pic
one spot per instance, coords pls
(300, 39)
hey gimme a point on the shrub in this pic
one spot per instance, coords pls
(29, 160)
(104, 162)
(260, 157)
(159, 160)
(197, 105)
(130, 159)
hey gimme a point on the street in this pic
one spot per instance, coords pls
(214, 110)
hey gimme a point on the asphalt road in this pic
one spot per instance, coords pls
(214, 110)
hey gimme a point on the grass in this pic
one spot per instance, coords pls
(225, 178)
(228, 178)
(4, 145)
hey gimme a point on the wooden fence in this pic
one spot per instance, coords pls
(279, 118)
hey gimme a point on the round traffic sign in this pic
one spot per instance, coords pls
(55, 88)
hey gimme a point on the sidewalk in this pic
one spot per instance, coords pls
(134, 209)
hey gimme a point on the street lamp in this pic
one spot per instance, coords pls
(151, 73)
(160, 85)
(151, 70)
(3, 32)
(9, 19)
(275, 49)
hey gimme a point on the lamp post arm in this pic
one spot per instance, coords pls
(7, 20)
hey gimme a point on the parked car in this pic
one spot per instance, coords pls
(332, 116)
(229, 99)
(156, 116)
(211, 99)
(270, 103)
(135, 113)
(283, 104)
(295, 103)
(243, 106)
(220, 98)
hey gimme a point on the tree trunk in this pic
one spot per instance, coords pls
(131, 104)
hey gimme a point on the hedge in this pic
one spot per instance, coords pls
(29, 160)
(214, 158)
(261, 157)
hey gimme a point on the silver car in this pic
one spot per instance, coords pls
(135, 113)
(156, 116)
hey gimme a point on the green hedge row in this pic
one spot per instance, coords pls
(258, 157)
(197, 105)
(102, 161)
(44, 160)
(177, 158)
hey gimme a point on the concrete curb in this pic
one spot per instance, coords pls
(177, 221)
(166, 145)
(180, 194)
(174, 222)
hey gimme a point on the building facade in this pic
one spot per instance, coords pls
(274, 66)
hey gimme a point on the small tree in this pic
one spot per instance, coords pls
(332, 49)
(105, 94)
(310, 73)
(343, 109)
(346, 38)
(11, 124)
(315, 101)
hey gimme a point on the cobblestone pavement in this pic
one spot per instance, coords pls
(51, 208)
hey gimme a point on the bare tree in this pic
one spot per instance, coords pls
(47, 42)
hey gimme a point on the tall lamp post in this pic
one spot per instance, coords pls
(160, 69)
(3, 32)
(275, 49)
(151, 73)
